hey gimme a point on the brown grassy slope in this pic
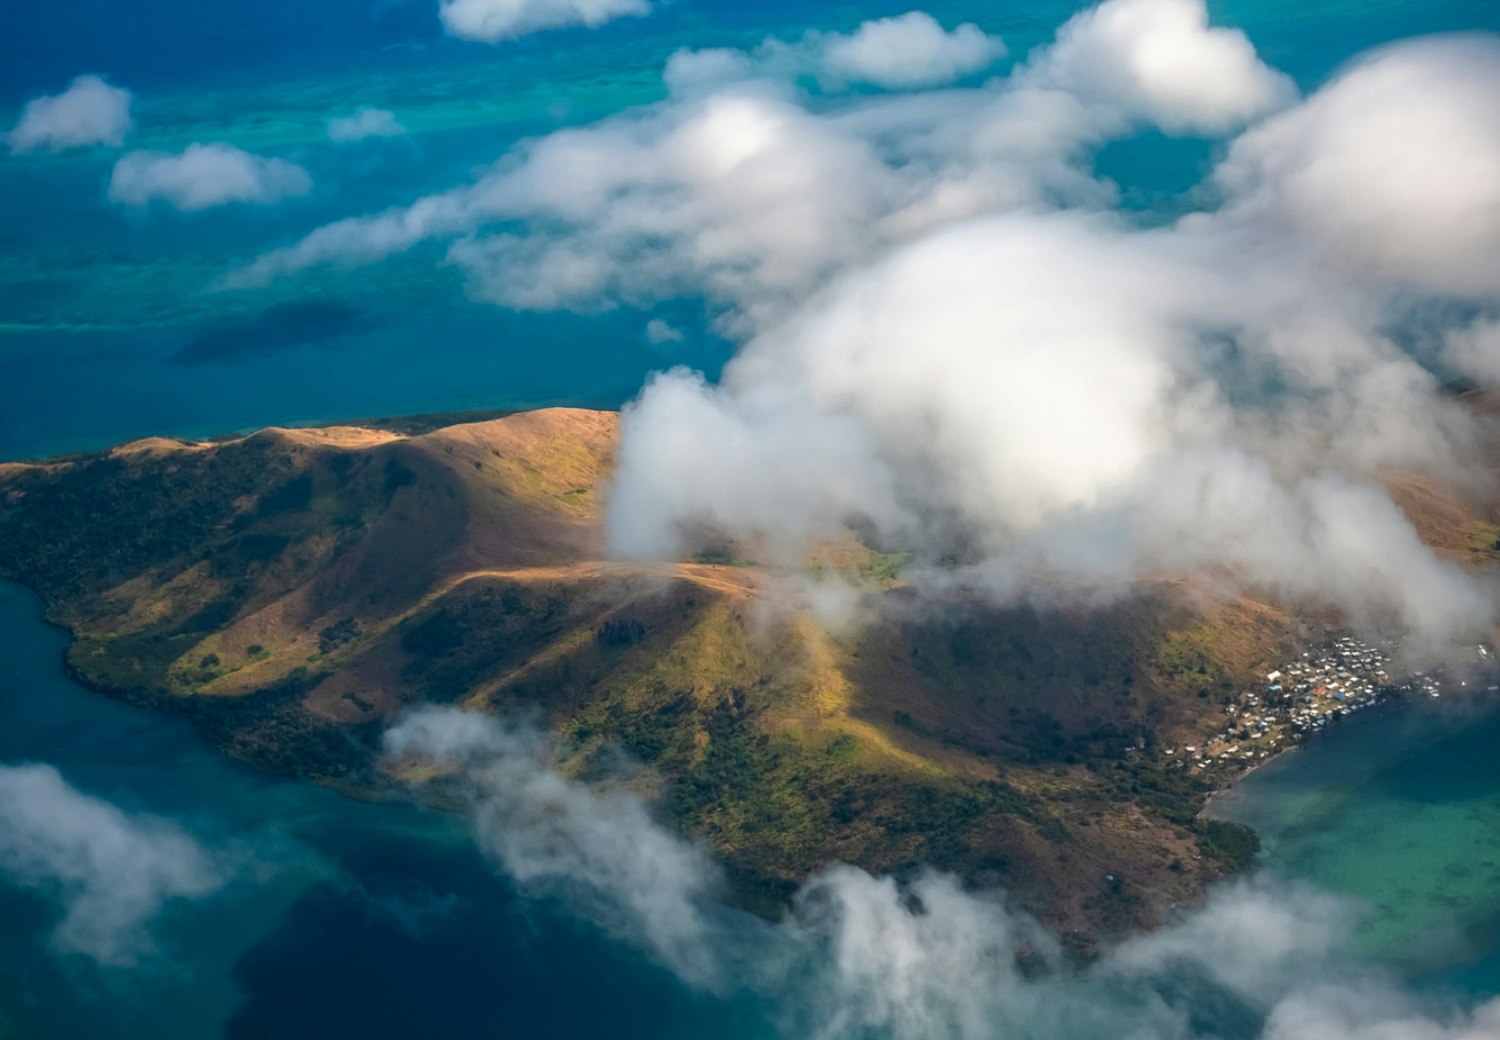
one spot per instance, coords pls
(1460, 526)
(1459, 515)
(295, 589)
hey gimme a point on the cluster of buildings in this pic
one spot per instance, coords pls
(1346, 675)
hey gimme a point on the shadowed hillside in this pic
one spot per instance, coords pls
(295, 590)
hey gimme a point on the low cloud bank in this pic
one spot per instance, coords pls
(868, 957)
(204, 176)
(114, 872)
(1072, 402)
(90, 112)
(491, 21)
(955, 341)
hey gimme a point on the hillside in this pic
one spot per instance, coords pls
(293, 591)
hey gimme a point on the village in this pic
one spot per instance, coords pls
(1298, 699)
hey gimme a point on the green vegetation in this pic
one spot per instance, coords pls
(83, 527)
(479, 631)
(337, 635)
(1484, 540)
(1232, 845)
(415, 425)
(1184, 658)
(883, 568)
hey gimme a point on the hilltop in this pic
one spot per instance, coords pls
(295, 590)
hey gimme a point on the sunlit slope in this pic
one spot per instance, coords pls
(294, 590)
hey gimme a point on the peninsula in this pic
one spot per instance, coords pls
(296, 590)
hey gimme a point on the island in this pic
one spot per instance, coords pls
(295, 591)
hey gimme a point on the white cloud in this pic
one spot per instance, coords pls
(204, 176)
(924, 960)
(1475, 351)
(750, 463)
(743, 195)
(1161, 61)
(703, 71)
(89, 112)
(113, 871)
(1369, 1013)
(1393, 170)
(364, 123)
(494, 20)
(909, 51)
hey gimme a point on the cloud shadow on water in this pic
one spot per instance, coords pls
(425, 942)
(279, 328)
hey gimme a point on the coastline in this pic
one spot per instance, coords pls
(1219, 802)
(1222, 795)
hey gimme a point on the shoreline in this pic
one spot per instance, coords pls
(1395, 699)
(1303, 742)
(1218, 795)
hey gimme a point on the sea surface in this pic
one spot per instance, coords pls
(382, 920)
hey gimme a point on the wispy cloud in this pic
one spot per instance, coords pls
(553, 834)
(114, 872)
(742, 189)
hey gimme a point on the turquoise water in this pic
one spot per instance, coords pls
(1398, 809)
